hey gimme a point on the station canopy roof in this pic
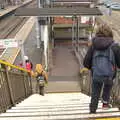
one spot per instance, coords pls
(53, 12)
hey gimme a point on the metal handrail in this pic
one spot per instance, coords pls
(13, 66)
(14, 85)
(86, 82)
(115, 93)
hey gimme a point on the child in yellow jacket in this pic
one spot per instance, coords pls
(39, 70)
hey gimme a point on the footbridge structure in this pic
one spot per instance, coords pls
(67, 94)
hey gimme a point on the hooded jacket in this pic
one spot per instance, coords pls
(102, 43)
(39, 70)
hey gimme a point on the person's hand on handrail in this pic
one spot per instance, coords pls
(84, 70)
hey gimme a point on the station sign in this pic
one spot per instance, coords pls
(85, 19)
(6, 43)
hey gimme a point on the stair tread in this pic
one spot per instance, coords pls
(62, 106)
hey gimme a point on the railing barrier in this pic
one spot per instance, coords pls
(15, 85)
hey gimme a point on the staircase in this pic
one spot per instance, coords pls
(58, 84)
(9, 54)
(58, 106)
(64, 75)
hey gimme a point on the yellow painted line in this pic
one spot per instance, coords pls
(13, 66)
(109, 118)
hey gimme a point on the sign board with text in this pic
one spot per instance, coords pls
(85, 19)
(5, 43)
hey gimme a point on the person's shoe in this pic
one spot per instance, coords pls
(92, 112)
(106, 106)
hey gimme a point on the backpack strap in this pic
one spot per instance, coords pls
(40, 74)
(112, 58)
(111, 54)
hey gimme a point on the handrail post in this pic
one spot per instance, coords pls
(2, 99)
(25, 89)
(30, 83)
(9, 85)
(29, 87)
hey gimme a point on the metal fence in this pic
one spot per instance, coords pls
(15, 85)
(86, 82)
(116, 90)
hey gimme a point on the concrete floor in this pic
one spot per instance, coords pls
(64, 76)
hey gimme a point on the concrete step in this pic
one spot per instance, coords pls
(57, 106)
(63, 84)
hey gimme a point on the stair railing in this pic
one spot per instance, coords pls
(15, 85)
(86, 81)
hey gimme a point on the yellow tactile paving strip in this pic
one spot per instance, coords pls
(108, 119)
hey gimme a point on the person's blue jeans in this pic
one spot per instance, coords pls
(96, 91)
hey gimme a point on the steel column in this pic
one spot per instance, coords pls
(73, 31)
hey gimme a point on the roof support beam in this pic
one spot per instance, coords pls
(52, 12)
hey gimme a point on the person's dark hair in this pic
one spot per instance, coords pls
(104, 30)
(27, 61)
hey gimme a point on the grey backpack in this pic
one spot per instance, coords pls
(103, 64)
(40, 77)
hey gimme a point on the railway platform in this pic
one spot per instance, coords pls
(22, 33)
(11, 8)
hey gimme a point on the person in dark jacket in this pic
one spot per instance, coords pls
(102, 40)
